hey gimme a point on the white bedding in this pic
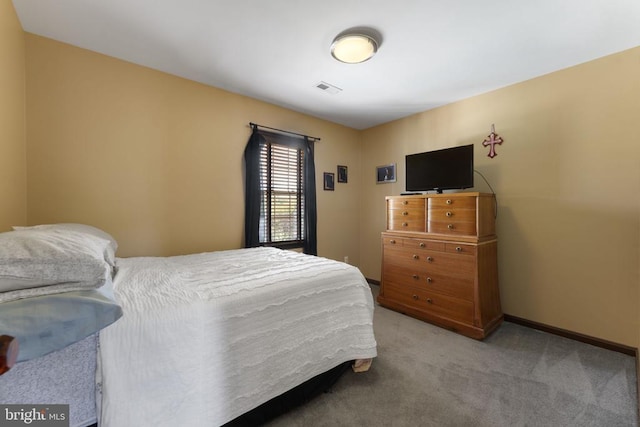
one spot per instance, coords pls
(207, 337)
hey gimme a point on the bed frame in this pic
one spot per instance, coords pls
(290, 399)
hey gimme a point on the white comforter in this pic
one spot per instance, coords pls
(207, 337)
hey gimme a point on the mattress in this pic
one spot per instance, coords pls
(207, 337)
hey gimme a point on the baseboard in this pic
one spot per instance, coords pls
(638, 381)
(620, 348)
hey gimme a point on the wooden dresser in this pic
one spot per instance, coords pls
(439, 261)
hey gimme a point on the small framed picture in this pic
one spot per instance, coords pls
(342, 173)
(329, 181)
(386, 173)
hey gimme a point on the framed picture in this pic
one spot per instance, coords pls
(342, 173)
(329, 182)
(386, 173)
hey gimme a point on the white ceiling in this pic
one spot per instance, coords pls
(433, 52)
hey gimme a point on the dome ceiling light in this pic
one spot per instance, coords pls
(354, 46)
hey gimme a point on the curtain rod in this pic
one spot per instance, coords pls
(314, 138)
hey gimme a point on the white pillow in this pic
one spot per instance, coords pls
(110, 253)
(48, 256)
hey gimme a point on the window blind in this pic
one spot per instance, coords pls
(282, 196)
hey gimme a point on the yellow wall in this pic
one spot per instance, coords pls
(13, 160)
(567, 179)
(156, 160)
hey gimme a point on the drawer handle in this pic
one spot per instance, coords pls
(449, 201)
(404, 202)
(429, 301)
(405, 213)
(458, 249)
(404, 224)
(393, 242)
(422, 245)
(415, 276)
(415, 297)
(415, 256)
(450, 226)
(429, 259)
(429, 279)
(449, 214)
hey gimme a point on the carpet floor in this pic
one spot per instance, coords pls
(428, 376)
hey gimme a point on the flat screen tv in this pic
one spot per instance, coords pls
(446, 169)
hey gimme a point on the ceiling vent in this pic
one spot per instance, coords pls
(329, 88)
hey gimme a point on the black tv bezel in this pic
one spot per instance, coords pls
(445, 186)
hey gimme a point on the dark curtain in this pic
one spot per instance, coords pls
(252, 188)
(310, 213)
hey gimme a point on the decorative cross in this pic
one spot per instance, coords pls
(492, 140)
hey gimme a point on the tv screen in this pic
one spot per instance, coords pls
(446, 169)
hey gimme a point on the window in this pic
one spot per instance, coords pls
(280, 191)
(281, 195)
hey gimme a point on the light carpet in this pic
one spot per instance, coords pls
(428, 376)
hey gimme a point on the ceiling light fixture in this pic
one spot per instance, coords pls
(354, 46)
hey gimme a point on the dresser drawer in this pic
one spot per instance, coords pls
(461, 248)
(406, 203)
(451, 215)
(453, 202)
(454, 228)
(423, 244)
(413, 258)
(392, 242)
(433, 302)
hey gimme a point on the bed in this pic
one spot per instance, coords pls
(205, 339)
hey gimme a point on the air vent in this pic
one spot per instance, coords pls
(329, 88)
